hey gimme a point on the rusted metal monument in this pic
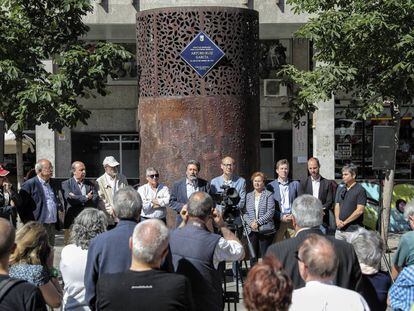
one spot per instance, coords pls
(184, 115)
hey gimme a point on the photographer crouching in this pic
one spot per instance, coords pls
(197, 252)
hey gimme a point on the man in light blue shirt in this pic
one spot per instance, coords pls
(228, 178)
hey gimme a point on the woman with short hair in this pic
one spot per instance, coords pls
(369, 248)
(260, 208)
(267, 287)
(87, 225)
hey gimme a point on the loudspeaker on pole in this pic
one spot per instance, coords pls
(383, 148)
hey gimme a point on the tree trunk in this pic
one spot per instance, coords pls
(19, 159)
(389, 175)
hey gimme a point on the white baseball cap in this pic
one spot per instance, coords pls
(110, 161)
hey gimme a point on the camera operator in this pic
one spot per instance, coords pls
(8, 198)
(197, 252)
(229, 179)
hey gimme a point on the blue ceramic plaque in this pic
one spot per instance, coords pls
(202, 54)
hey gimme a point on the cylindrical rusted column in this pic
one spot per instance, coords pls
(184, 116)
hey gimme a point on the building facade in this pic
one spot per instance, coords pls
(112, 128)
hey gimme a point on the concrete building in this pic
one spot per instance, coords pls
(112, 128)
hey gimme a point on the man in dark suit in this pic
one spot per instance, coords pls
(40, 199)
(182, 189)
(284, 192)
(320, 188)
(78, 194)
(307, 213)
(109, 251)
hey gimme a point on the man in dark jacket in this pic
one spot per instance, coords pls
(307, 215)
(321, 188)
(109, 252)
(78, 193)
(197, 252)
(40, 199)
(182, 189)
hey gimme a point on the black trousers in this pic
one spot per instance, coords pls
(260, 243)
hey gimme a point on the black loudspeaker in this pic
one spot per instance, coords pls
(383, 148)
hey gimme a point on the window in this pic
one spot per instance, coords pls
(267, 153)
(92, 148)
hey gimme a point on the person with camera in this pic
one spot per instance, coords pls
(8, 198)
(229, 180)
(196, 252)
(260, 209)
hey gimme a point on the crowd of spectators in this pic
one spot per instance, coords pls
(310, 250)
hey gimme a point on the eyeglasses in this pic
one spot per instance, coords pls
(297, 256)
(227, 165)
(154, 176)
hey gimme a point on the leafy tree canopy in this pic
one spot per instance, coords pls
(36, 30)
(363, 47)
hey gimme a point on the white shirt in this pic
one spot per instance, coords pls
(162, 194)
(316, 183)
(284, 197)
(227, 250)
(256, 205)
(112, 182)
(72, 266)
(318, 296)
(191, 187)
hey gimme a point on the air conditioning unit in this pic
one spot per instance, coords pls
(274, 88)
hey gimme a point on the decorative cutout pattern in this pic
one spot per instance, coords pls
(163, 33)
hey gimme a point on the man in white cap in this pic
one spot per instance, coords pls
(108, 184)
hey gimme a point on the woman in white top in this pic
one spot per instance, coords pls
(260, 208)
(87, 225)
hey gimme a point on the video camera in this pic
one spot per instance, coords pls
(229, 199)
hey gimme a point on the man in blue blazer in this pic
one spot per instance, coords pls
(182, 189)
(40, 199)
(284, 192)
(78, 194)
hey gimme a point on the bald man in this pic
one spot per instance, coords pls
(229, 178)
(317, 266)
(40, 199)
(21, 294)
(78, 194)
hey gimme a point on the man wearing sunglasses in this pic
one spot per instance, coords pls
(155, 196)
(350, 205)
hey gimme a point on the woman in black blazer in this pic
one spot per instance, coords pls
(260, 208)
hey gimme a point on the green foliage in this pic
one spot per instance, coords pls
(365, 48)
(32, 31)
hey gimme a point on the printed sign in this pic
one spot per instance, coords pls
(344, 151)
(202, 54)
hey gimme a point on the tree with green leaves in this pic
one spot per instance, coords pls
(364, 48)
(34, 31)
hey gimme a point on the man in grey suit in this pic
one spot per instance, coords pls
(284, 192)
(185, 187)
(307, 213)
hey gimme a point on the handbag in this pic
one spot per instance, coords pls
(267, 228)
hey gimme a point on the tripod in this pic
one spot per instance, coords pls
(233, 297)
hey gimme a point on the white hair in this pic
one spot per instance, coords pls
(149, 241)
(308, 211)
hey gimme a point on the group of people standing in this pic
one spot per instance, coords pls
(109, 260)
